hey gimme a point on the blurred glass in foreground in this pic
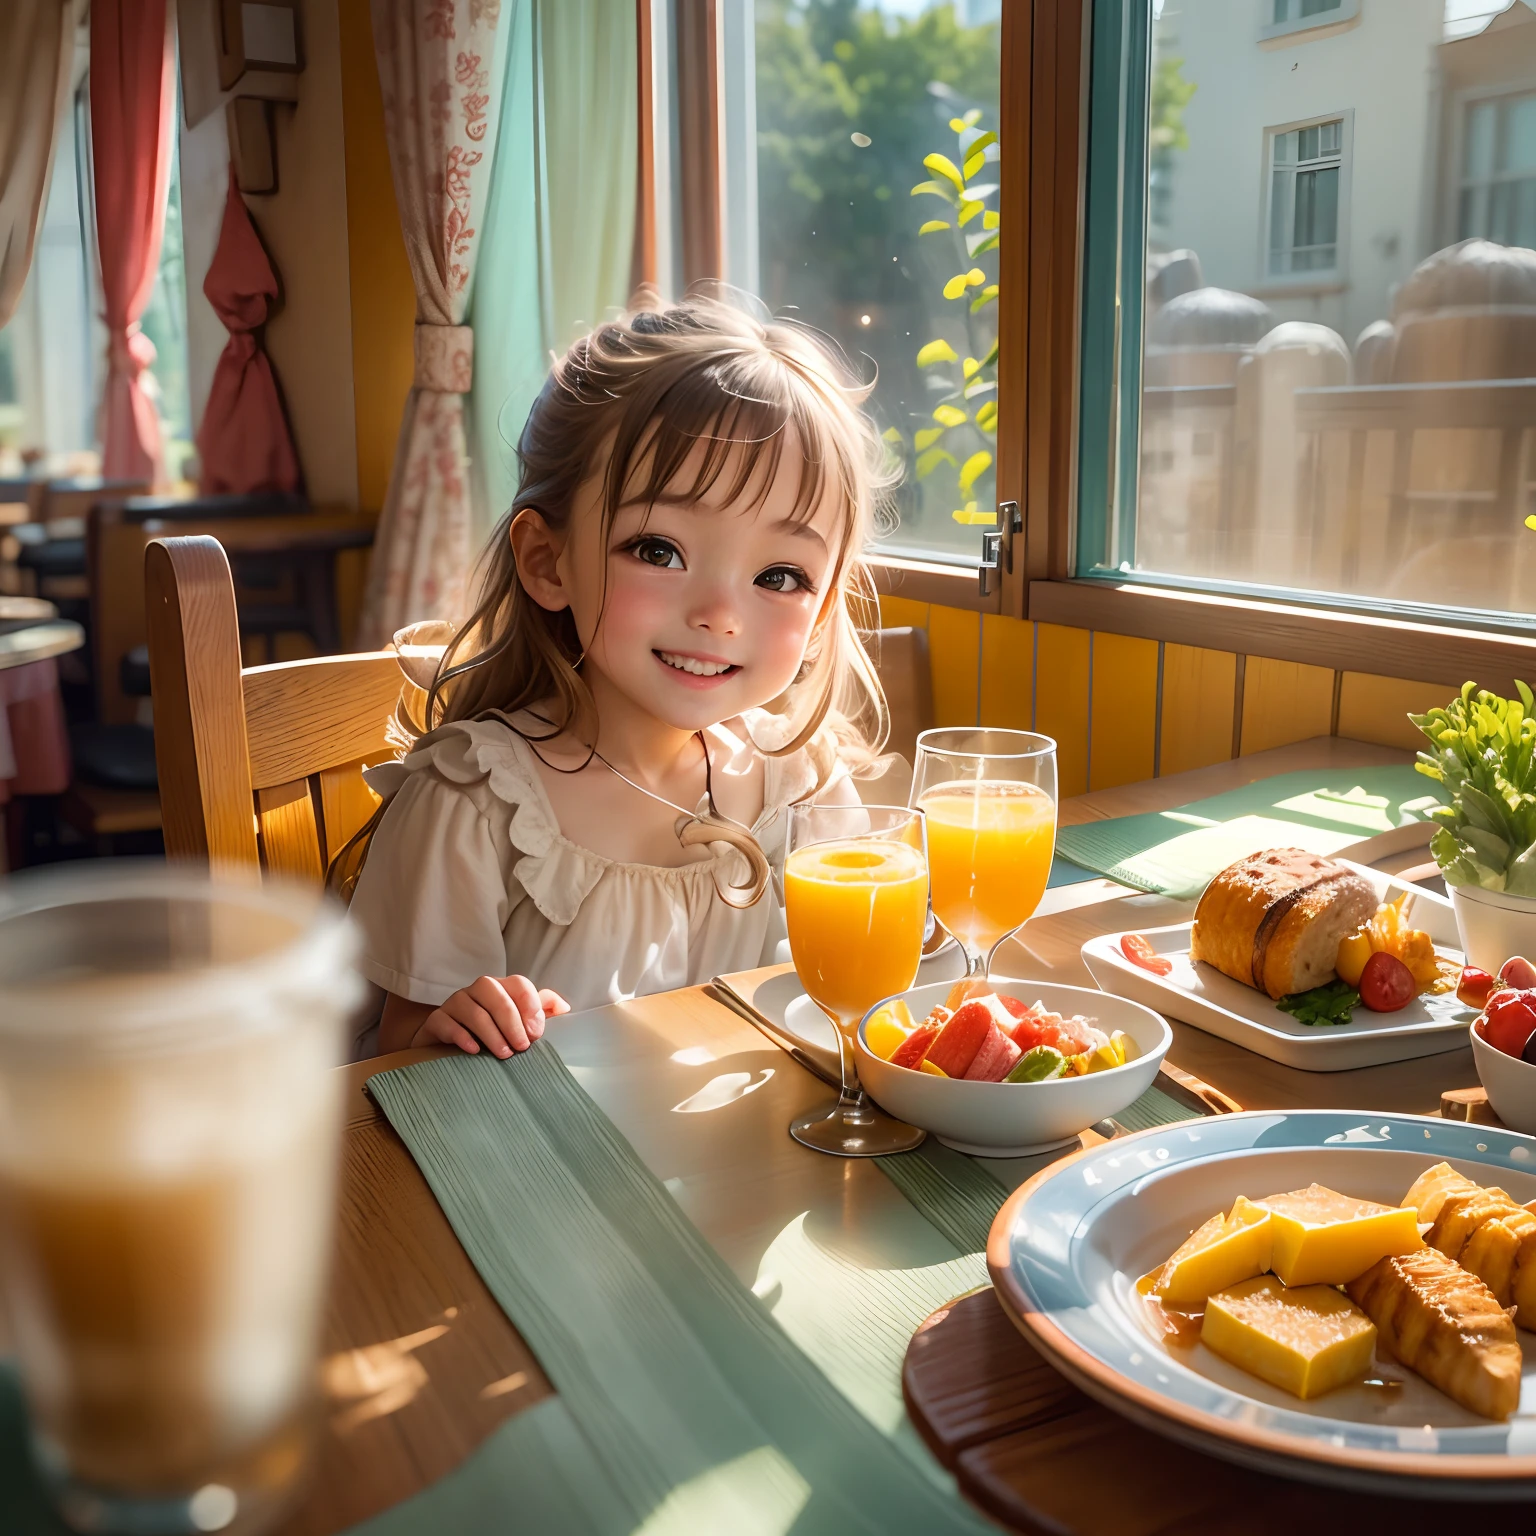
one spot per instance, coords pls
(169, 1125)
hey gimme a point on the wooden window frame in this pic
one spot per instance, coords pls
(1042, 198)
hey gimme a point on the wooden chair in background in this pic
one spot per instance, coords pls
(260, 767)
(906, 674)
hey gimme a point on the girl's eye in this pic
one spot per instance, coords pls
(784, 578)
(662, 553)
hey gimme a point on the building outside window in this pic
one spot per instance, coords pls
(1308, 358)
(1302, 10)
(1498, 179)
(1306, 166)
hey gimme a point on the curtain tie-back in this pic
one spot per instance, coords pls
(130, 351)
(445, 357)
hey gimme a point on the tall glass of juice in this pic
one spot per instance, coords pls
(990, 800)
(856, 903)
(169, 1126)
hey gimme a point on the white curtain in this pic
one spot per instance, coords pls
(37, 53)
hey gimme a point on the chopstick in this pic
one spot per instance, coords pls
(812, 1058)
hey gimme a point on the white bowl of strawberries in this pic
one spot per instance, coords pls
(1008, 1068)
(1504, 1039)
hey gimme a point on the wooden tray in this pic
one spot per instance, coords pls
(1039, 1456)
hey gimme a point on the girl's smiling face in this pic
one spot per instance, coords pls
(696, 607)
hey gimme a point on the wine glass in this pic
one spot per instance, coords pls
(856, 903)
(990, 799)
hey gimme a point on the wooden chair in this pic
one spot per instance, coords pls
(260, 767)
(906, 674)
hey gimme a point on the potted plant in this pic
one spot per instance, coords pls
(1485, 844)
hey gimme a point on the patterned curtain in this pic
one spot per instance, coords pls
(37, 53)
(440, 67)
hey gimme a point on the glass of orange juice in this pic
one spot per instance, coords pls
(856, 903)
(990, 801)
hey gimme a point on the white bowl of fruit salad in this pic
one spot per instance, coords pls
(1504, 1039)
(1007, 1068)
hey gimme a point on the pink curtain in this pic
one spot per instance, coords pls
(133, 107)
(37, 53)
(244, 443)
(439, 69)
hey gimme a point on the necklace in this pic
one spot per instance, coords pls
(692, 829)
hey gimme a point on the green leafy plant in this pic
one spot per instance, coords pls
(1332, 1003)
(1485, 756)
(964, 432)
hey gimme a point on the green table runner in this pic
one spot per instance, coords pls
(1177, 852)
(695, 1408)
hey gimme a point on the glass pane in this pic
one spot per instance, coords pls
(851, 102)
(165, 323)
(1482, 119)
(1519, 146)
(1332, 400)
(1317, 7)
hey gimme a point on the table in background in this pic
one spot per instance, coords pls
(422, 1363)
(34, 744)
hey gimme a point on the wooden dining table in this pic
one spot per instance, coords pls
(420, 1362)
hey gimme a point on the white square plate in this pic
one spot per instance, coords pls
(1199, 994)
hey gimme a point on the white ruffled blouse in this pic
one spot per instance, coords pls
(469, 875)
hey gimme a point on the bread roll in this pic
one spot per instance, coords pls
(1274, 921)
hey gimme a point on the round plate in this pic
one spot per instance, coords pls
(1066, 1250)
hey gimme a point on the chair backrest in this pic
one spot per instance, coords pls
(259, 767)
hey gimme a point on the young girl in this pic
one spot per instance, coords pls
(665, 656)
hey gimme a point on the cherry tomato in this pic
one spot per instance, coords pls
(1386, 984)
(1139, 952)
(1509, 1022)
(1475, 987)
(1518, 972)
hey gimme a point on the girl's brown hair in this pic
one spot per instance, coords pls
(631, 401)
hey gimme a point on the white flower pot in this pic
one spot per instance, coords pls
(1494, 926)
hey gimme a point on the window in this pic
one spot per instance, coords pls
(1305, 168)
(1498, 177)
(1286, 18)
(876, 220)
(1308, 358)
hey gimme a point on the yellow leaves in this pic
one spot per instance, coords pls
(971, 515)
(987, 295)
(942, 165)
(970, 368)
(968, 211)
(986, 416)
(933, 225)
(1530, 523)
(972, 470)
(990, 219)
(972, 167)
(971, 118)
(949, 415)
(934, 189)
(957, 285)
(891, 435)
(930, 461)
(926, 437)
(938, 351)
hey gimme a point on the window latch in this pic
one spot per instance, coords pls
(997, 545)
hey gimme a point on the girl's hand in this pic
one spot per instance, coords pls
(502, 1013)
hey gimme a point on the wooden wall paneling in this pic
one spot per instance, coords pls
(901, 612)
(1284, 701)
(1198, 693)
(200, 736)
(308, 715)
(1013, 300)
(1123, 720)
(290, 839)
(954, 647)
(1062, 682)
(1007, 672)
(346, 803)
(698, 131)
(1376, 708)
